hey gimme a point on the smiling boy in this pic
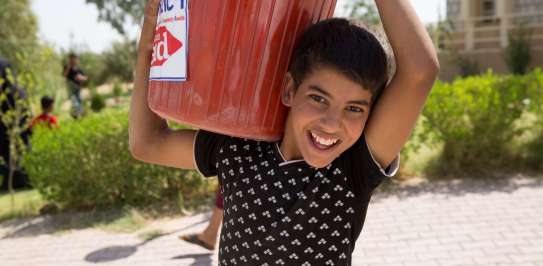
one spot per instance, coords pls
(303, 200)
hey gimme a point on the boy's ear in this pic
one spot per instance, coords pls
(287, 95)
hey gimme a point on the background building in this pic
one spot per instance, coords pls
(479, 29)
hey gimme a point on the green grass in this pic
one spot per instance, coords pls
(114, 220)
(27, 204)
(419, 161)
(117, 219)
(129, 221)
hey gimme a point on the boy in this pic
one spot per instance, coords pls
(208, 238)
(303, 200)
(75, 77)
(46, 118)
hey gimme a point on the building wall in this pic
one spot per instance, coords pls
(526, 6)
(486, 60)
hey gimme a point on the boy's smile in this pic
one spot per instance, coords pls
(327, 115)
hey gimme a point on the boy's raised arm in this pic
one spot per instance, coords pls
(401, 103)
(150, 138)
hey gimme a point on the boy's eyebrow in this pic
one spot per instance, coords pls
(321, 90)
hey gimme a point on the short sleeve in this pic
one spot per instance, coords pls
(54, 121)
(207, 146)
(366, 171)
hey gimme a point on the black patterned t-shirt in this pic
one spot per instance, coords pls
(281, 212)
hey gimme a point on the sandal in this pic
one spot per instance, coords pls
(193, 239)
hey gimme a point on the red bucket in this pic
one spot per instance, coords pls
(235, 62)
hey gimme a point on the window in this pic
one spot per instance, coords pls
(488, 8)
(527, 6)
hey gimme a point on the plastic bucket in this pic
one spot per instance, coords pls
(236, 59)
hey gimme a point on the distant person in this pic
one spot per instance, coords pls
(75, 78)
(46, 118)
(8, 103)
(208, 238)
(5, 86)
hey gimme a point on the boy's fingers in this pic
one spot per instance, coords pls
(151, 9)
(149, 23)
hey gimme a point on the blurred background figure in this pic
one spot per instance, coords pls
(75, 77)
(10, 97)
(46, 118)
(208, 238)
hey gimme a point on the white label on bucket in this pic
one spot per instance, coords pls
(170, 45)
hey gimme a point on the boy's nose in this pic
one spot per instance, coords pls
(330, 122)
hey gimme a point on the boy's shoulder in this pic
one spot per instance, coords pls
(212, 149)
(45, 118)
(357, 161)
(227, 142)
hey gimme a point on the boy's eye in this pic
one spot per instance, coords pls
(355, 109)
(317, 98)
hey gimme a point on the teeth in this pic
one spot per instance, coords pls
(323, 141)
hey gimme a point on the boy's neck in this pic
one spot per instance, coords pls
(288, 146)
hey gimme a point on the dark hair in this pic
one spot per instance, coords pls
(46, 102)
(347, 48)
(72, 55)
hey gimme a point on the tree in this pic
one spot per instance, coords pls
(115, 63)
(19, 42)
(518, 54)
(14, 114)
(120, 60)
(18, 30)
(364, 10)
(119, 13)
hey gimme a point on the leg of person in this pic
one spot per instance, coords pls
(208, 237)
(79, 101)
(75, 98)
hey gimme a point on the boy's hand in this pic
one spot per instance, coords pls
(148, 29)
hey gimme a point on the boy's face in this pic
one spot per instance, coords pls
(74, 61)
(328, 113)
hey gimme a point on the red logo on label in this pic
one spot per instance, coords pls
(164, 46)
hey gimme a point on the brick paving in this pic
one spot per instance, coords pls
(460, 222)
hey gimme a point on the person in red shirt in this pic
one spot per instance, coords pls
(46, 118)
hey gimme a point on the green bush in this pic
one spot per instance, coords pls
(535, 146)
(87, 163)
(475, 121)
(98, 102)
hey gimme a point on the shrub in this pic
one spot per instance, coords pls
(87, 163)
(474, 119)
(535, 146)
(518, 53)
(468, 67)
(117, 90)
(98, 102)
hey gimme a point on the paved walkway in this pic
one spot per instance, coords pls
(445, 223)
